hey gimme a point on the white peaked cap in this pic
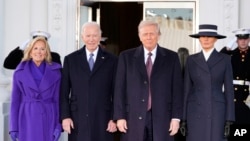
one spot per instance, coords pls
(241, 31)
(40, 33)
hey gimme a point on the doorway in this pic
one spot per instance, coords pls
(118, 21)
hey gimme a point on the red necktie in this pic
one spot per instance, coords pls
(149, 69)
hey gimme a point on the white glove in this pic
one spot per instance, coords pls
(24, 44)
(247, 101)
(232, 44)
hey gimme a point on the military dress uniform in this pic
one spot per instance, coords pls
(241, 74)
(240, 58)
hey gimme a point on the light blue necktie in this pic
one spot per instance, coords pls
(91, 61)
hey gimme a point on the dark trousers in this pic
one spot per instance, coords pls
(148, 131)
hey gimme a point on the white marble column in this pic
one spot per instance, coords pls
(4, 108)
(62, 25)
(230, 18)
(38, 15)
(4, 82)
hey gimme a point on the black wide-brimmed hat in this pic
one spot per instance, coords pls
(208, 30)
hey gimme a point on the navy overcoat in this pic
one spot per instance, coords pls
(208, 96)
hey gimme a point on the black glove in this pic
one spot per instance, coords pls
(183, 128)
(227, 128)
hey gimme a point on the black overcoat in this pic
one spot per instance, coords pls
(86, 97)
(131, 92)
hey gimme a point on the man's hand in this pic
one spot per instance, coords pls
(174, 127)
(111, 127)
(122, 125)
(67, 124)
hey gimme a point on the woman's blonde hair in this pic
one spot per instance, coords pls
(30, 46)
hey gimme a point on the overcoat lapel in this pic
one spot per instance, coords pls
(100, 59)
(159, 61)
(140, 64)
(84, 63)
(214, 59)
(199, 59)
(28, 80)
(47, 81)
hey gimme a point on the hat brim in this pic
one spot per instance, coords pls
(218, 36)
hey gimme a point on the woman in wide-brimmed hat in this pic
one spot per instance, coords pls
(208, 109)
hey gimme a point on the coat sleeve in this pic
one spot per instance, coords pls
(120, 90)
(56, 99)
(187, 87)
(177, 90)
(229, 91)
(65, 91)
(14, 105)
(13, 59)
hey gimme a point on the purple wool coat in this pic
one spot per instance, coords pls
(34, 112)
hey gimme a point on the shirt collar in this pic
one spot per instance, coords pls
(153, 54)
(94, 52)
(208, 53)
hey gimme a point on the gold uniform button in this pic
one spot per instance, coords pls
(245, 90)
(242, 60)
(235, 89)
(235, 100)
(237, 77)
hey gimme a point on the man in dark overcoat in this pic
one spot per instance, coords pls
(148, 91)
(86, 106)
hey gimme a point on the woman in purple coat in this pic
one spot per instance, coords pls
(34, 113)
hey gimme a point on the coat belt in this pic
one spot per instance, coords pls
(241, 82)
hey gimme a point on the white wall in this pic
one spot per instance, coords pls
(17, 19)
(244, 13)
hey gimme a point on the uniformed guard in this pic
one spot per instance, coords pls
(241, 74)
(16, 55)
